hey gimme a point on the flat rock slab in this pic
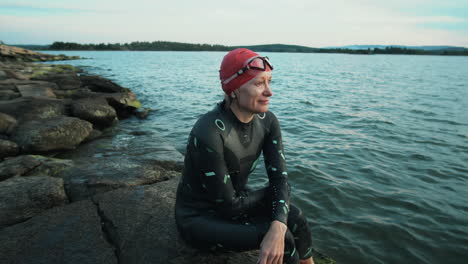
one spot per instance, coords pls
(31, 108)
(92, 176)
(125, 142)
(140, 221)
(23, 197)
(69, 234)
(37, 90)
(59, 133)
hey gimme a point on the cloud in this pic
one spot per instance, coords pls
(303, 22)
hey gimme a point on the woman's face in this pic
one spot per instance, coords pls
(254, 95)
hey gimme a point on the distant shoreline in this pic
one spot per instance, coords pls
(177, 46)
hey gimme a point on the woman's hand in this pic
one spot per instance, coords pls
(272, 246)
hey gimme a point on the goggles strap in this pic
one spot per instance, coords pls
(246, 67)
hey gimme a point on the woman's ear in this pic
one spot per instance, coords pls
(233, 95)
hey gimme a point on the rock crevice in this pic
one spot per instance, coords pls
(109, 231)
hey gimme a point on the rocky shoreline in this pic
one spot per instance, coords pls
(71, 193)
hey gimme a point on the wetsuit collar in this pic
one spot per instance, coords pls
(232, 116)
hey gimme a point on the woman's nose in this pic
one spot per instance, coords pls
(267, 91)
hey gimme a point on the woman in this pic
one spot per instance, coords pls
(214, 209)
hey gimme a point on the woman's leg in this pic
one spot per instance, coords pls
(209, 232)
(299, 227)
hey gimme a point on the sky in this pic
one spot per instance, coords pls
(310, 23)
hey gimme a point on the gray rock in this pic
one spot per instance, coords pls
(99, 84)
(8, 148)
(49, 166)
(140, 221)
(70, 234)
(97, 175)
(124, 142)
(124, 103)
(17, 166)
(142, 114)
(37, 90)
(82, 92)
(7, 124)
(60, 133)
(93, 135)
(23, 197)
(96, 111)
(29, 108)
(65, 81)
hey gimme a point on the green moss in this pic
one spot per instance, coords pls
(320, 258)
(37, 74)
(135, 104)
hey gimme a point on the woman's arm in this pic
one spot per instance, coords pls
(272, 246)
(275, 162)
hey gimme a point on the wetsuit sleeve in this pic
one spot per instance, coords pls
(208, 162)
(275, 164)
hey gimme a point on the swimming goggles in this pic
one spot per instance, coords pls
(254, 63)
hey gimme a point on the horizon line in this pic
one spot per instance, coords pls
(331, 46)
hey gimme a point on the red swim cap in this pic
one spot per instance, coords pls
(234, 61)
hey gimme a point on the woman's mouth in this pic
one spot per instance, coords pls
(264, 102)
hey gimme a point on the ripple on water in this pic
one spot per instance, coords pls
(377, 156)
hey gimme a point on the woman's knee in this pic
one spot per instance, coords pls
(296, 219)
(290, 253)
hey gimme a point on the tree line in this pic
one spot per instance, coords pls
(178, 46)
(139, 45)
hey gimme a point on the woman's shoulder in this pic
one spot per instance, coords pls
(211, 126)
(267, 119)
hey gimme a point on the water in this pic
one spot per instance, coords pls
(377, 146)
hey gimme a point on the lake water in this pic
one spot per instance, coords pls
(377, 146)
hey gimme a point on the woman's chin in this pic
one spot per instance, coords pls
(262, 109)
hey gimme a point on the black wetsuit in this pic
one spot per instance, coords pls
(214, 209)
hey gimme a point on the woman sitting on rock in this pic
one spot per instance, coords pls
(214, 209)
